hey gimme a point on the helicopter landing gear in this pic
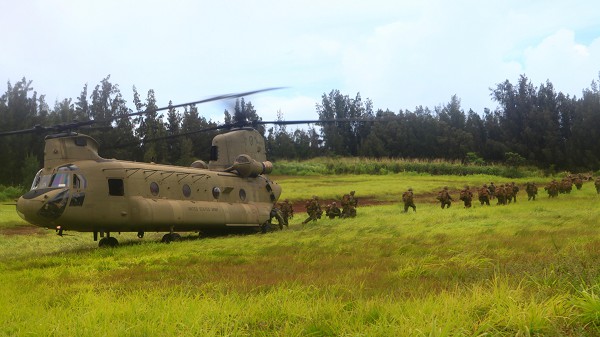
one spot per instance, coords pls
(108, 241)
(167, 238)
(140, 235)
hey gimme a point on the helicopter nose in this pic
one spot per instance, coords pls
(44, 208)
(28, 209)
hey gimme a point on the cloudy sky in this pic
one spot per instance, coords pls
(400, 54)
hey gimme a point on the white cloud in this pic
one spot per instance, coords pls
(570, 66)
(399, 54)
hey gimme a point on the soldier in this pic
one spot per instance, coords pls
(445, 198)
(514, 190)
(408, 199)
(333, 211)
(492, 190)
(313, 209)
(565, 186)
(349, 203)
(501, 195)
(578, 181)
(466, 196)
(276, 213)
(552, 189)
(353, 199)
(484, 195)
(287, 211)
(597, 184)
(531, 190)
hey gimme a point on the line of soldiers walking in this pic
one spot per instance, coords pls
(504, 194)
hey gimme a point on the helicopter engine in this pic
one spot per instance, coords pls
(248, 167)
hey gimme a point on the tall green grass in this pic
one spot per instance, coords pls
(525, 269)
(330, 166)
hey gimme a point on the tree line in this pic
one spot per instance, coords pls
(531, 125)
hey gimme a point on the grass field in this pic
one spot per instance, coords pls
(526, 269)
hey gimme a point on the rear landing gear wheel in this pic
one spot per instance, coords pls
(167, 238)
(108, 242)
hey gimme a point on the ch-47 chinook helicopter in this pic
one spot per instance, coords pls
(79, 190)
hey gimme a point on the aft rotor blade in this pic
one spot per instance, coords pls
(316, 121)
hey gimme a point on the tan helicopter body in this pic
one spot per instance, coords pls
(81, 191)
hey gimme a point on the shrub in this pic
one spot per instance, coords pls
(327, 166)
(10, 192)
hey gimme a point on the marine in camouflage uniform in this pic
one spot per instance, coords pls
(531, 190)
(514, 189)
(444, 198)
(332, 211)
(466, 196)
(565, 186)
(276, 213)
(578, 181)
(313, 209)
(552, 189)
(349, 203)
(287, 211)
(597, 184)
(492, 190)
(501, 195)
(408, 200)
(484, 195)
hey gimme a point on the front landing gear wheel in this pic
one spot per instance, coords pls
(108, 242)
(167, 238)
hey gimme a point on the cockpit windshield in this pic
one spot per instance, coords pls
(60, 179)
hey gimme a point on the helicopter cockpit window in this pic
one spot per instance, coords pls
(37, 180)
(60, 179)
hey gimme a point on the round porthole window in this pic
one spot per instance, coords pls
(242, 194)
(154, 188)
(216, 192)
(187, 191)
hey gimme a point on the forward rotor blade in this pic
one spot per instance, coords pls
(75, 125)
(206, 100)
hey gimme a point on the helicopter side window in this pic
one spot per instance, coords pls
(187, 190)
(115, 187)
(214, 152)
(79, 182)
(216, 192)
(154, 189)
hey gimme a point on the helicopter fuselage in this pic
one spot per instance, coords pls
(93, 194)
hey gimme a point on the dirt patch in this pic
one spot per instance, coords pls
(22, 230)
